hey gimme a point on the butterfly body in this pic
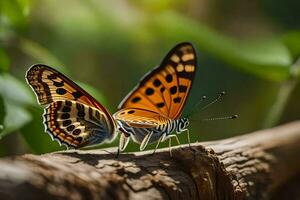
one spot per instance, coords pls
(138, 129)
(71, 116)
(152, 110)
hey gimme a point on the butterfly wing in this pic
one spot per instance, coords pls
(166, 88)
(140, 118)
(50, 85)
(76, 125)
(52, 88)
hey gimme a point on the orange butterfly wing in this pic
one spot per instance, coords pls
(52, 88)
(140, 118)
(165, 89)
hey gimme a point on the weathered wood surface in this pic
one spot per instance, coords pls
(251, 166)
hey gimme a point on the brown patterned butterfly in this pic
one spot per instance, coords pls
(71, 116)
(152, 110)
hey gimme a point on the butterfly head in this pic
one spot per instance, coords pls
(182, 124)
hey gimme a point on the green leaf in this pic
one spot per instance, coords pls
(15, 91)
(268, 59)
(34, 135)
(15, 13)
(2, 114)
(4, 61)
(157, 5)
(292, 41)
(25, 6)
(15, 118)
(16, 97)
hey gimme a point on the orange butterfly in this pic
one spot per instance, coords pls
(150, 113)
(152, 110)
(71, 116)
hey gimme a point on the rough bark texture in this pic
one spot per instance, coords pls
(251, 166)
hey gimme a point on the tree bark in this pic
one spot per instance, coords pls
(251, 166)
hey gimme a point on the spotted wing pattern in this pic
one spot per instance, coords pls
(140, 118)
(50, 85)
(165, 89)
(72, 116)
(75, 124)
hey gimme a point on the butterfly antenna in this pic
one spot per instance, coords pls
(194, 108)
(220, 118)
(214, 101)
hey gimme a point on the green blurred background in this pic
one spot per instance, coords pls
(250, 49)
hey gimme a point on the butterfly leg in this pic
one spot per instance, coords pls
(170, 142)
(177, 140)
(188, 138)
(146, 141)
(123, 142)
(158, 142)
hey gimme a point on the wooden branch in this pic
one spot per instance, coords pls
(251, 166)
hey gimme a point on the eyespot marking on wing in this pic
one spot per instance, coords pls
(61, 91)
(136, 99)
(173, 90)
(160, 105)
(169, 78)
(156, 82)
(149, 91)
(177, 100)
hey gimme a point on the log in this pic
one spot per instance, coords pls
(251, 166)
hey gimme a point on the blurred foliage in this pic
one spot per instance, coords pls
(285, 12)
(292, 41)
(4, 61)
(34, 135)
(16, 97)
(39, 53)
(2, 114)
(14, 14)
(249, 49)
(268, 58)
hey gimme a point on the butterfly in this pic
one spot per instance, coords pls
(151, 112)
(71, 116)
